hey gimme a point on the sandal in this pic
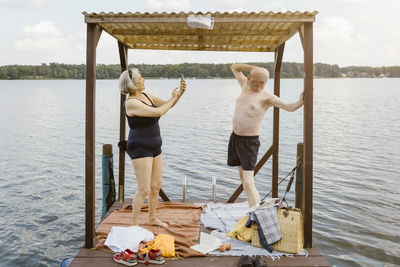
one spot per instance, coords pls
(245, 261)
(127, 257)
(259, 262)
(151, 256)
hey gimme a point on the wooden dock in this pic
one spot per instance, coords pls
(87, 257)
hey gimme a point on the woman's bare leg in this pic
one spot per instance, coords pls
(142, 167)
(155, 186)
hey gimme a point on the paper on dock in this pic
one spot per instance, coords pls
(207, 244)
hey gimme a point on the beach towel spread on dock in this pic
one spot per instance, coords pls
(223, 217)
(183, 220)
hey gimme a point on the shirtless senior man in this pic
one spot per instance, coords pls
(250, 109)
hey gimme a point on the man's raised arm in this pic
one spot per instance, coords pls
(237, 71)
(279, 103)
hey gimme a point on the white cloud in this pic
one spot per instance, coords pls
(43, 35)
(339, 1)
(396, 37)
(276, 7)
(23, 3)
(168, 5)
(369, 18)
(223, 6)
(229, 4)
(334, 31)
(44, 42)
(391, 48)
(45, 27)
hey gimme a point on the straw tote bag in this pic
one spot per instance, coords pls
(291, 225)
(255, 241)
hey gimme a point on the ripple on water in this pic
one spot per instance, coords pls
(356, 218)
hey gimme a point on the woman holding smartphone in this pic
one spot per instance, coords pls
(143, 111)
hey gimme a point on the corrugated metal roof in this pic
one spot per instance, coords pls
(232, 31)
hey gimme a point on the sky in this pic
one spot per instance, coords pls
(346, 32)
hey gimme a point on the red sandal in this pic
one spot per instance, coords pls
(151, 256)
(127, 257)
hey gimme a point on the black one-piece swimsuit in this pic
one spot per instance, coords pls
(144, 139)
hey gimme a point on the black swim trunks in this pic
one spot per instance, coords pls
(243, 150)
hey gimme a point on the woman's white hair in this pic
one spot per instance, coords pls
(127, 80)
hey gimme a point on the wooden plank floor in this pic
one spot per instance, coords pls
(87, 257)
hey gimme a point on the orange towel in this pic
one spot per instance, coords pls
(183, 220)
(163, 242)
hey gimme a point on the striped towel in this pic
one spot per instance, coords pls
(268, 226)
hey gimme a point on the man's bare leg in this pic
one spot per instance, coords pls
(247, 177)
(155, 186)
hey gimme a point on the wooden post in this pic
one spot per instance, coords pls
(123, 56)
(299, 178)
(308, 133)
(93, 35)
(107, 178)
(275, 155)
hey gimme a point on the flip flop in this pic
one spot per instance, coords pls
(126, 257)
(151, 256)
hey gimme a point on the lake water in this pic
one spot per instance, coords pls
(356, 161)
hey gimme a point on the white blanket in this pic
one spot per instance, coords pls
(121, 238)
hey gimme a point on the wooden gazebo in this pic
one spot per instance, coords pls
(252, 32)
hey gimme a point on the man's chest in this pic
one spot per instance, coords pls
(251, 104)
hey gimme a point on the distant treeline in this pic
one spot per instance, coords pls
(189, 70)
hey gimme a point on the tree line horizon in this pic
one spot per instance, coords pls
(189, 70)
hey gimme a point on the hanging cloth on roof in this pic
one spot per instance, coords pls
(201, 21)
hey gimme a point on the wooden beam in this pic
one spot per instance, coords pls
(183, 19)
(277, 86)
(189, 32)
(259, 165)
(299, 197)
(292, 31)
(97, 35)
(123, 57)
(199, 40)
(308, 133)
(90, 135)
(301, 34)
(163, 195)
(242, 48)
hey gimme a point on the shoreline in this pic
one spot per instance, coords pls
(195, 78)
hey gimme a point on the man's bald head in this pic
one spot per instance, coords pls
(258, 77)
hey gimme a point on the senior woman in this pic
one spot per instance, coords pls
(143, 111)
